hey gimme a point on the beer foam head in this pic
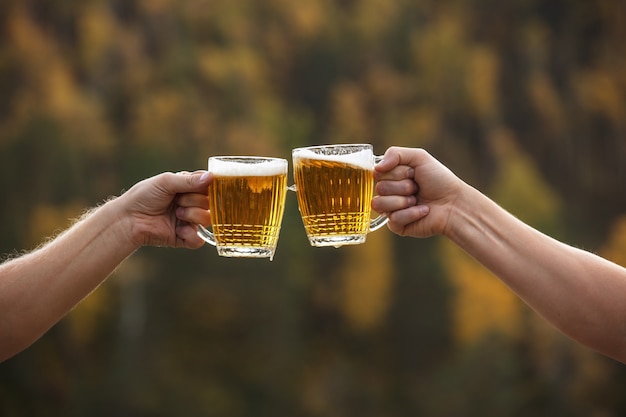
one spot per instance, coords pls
(361, 159)
(247, 166)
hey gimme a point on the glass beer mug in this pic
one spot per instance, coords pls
(247, 201)
(334, 185)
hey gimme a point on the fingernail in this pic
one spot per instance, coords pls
(204, 176)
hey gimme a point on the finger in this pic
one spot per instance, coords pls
(187, 236)
(193, 215)
(404, 187)
(397, 173)
(400, 219)
(389, 161)
(198, 171)
(193, 200)
(392, 203)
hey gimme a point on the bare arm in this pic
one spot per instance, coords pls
(578, 292)
(38, 289)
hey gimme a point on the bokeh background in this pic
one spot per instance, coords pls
(524, 99)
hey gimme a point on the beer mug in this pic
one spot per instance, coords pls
(334, 185)
(247, 201)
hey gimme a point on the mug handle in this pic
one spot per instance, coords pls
(206, 235)
(382, 219)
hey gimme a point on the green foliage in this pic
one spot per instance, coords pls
(96, 95)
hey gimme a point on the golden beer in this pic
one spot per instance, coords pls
(247, 206)
(334, 197)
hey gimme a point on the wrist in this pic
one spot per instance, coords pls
(123, 231)
(463, 215)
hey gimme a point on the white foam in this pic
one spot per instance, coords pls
(236, 168)
(361, 159)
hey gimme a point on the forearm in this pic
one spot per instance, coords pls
(38, 289)
(578, 292)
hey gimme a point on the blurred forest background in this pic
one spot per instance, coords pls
(525, 99)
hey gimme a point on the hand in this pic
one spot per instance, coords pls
(416, 191)
(165, 209)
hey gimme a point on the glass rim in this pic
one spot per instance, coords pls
(244, 158)
(356, 146)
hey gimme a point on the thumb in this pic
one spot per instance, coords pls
(187, 182)
(396, 155)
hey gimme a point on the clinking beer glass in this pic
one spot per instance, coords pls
(247, 201)
(334, 185)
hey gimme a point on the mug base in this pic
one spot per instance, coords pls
(336, 241)
(245, 252)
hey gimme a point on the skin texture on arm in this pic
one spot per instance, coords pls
(39, 288)
(580, 293)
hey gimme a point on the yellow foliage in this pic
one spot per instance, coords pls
(307, 18)
(424, 123)
(349, 118)
(600, 92)
(50, 220)
(241, 65)
(482, 82)
(157, 6)
(157, 118)
(41, 63)
(97, 29)
(29, 42)
(83, 320)
(53, 86)
(482, 303)
(367, 281)
(61, 92)
(441, 54)
(615, 248)
(546, 100)
(250, 139)
(373, 17)
(519, 187)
